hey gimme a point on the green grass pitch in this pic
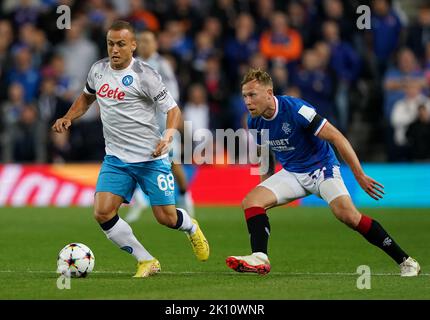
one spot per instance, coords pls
(313, 256)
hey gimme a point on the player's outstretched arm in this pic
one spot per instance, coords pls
(373, 188)
(78, 108)
(172, 122)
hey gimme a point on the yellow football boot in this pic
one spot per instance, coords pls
(199, 243)
(147, 268)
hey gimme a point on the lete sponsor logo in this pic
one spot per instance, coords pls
(36, 186)
(106, 92)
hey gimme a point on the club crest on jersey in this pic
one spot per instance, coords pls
(127, 80)
(286, 128)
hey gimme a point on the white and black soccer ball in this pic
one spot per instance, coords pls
(75, 260)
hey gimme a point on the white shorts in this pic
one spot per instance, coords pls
(326, 183)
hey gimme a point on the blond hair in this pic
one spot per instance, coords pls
(257, 74)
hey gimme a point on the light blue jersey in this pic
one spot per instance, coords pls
(293, 131)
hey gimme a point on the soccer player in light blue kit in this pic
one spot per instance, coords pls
(129, 93)
(299, 137)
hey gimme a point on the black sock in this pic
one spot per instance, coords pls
(376, 235)
(179, 221)
(258, 228)
(109, 224)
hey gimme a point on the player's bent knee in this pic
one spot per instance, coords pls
(345, 211)
(250, 202)
(259, 197)
(106, 206)
(104, 214)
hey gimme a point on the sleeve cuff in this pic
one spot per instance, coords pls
(320, 127)
(88, 89)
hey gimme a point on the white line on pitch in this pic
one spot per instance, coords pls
(218, 272)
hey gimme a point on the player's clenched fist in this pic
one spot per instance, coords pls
(61, 125)
(162, 147)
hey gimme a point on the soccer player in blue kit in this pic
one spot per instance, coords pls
(300, 139)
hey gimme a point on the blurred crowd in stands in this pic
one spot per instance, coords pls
(372, 84)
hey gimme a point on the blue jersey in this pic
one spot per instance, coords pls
(292, 135)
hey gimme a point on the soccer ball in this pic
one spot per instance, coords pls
(75, 260)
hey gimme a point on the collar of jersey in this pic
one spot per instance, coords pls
(276, 110)
(122, 70)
